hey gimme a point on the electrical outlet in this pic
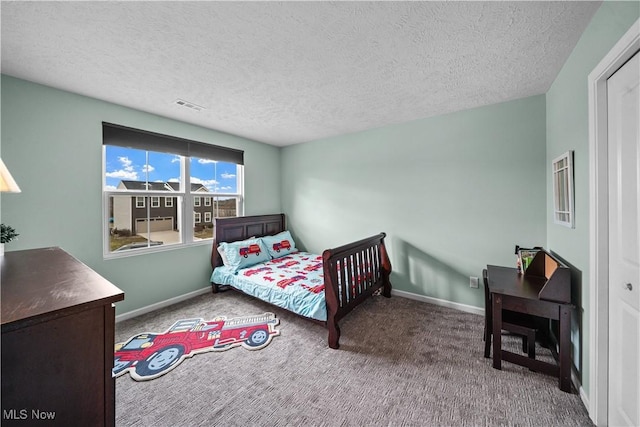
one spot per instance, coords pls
(473, 282)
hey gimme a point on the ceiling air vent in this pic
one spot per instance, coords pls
(187, 104)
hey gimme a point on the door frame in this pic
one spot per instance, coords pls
(623, 50)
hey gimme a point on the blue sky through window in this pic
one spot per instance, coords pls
(132, 165)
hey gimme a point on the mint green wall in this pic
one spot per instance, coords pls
(454, 193)
(568, 129)
(52, 143)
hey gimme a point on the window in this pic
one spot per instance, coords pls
(207, 201)
(141, 168)
(563, 190)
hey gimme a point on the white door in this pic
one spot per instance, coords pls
(623, 94)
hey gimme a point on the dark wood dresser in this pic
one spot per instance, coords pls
(58, 323)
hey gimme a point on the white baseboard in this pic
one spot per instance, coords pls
(444, 303)
(403, 294)
(161, 304)
(583, 395)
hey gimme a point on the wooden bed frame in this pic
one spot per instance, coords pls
(352, 272)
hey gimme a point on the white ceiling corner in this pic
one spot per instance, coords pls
(289, 72)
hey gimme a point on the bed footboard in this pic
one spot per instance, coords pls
(352, 273)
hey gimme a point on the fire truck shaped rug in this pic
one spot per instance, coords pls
(149, 355)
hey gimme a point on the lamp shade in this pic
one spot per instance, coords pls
(7, 183)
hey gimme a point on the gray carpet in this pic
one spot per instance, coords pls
(401, 363)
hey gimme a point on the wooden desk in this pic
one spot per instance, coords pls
(58, 324)
(517, 292)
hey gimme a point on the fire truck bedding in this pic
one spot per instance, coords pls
(293, 282)
(258, 256)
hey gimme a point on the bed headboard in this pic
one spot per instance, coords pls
(243, 227)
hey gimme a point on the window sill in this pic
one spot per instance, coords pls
(155, 249)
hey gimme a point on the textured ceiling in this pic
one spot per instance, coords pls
(290, 72)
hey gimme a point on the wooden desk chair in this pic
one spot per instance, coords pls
(516, 323)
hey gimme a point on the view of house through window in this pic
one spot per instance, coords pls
(155, 198)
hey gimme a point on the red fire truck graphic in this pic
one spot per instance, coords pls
(251, 272)
(251, 249)
(313, 267)
(149, 355)
(286, 282)
(313, 289)
(289, 264)
(281, 245)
